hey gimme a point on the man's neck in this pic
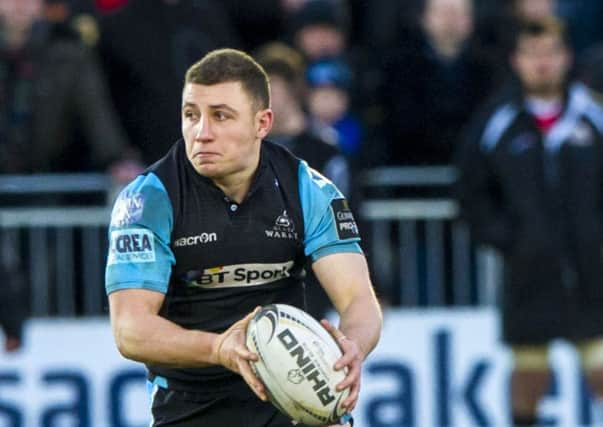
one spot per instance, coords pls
(445, 50)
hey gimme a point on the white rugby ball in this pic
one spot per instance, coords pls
(296, 359)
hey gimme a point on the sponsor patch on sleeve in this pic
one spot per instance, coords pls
(132, 245)
(344, 219)
(127, 210)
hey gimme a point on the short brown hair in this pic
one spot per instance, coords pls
(549, 26)
(231, 65)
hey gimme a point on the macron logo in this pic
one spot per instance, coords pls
(195, 240)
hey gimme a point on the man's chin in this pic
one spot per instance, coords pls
(544, 89)
(208, 170)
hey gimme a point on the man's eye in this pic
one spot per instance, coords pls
(190, 115)
(220, 115)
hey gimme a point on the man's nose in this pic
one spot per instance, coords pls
(204, 131)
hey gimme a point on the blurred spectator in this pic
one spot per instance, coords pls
(293, 129)
(386, 22)
(55, 116)
(147, 45)
(433, 82)
(319, 29)
(496, 29)
(55, 113)
(531, 185)
(329, 86)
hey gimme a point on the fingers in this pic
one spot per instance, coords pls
(248, 318)
(249, 376)
(243, 356)
(352, 359)
(350, 402)
(351, 381)
(350, 354)
(244, 353)
(353, 375)
(338, 336)
(245, 320)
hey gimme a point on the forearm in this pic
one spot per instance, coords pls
(149, 338)
(361, 321)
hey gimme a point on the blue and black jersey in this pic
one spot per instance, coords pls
(173, 231)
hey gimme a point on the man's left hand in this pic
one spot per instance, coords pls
(352, 359)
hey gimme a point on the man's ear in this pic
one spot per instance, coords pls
(264, 120)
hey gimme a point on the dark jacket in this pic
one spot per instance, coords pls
(539, 199)
(428, 100)
(55, 112)
(146, 48)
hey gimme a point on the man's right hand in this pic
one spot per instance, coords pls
(231, 352)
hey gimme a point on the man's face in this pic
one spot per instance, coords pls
(282, 100)
(328, 103)
(222, 129)
(319, 41)
(448, 21)
(20, 14)
(542, 63)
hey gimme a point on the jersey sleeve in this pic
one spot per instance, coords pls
(139, 237)
(329, 226)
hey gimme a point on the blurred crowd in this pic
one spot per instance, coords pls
(95, 85)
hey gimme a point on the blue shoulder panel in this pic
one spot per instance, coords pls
(139, 237)
(329, 225)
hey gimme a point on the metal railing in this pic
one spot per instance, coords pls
(55, 183)
(62, 252)
(59, 249)
(420, 254)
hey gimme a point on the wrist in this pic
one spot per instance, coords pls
(216, 346)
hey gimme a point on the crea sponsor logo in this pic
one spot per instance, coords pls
(195, 240)
(242, 275)
(131, 245)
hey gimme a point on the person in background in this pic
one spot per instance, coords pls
(531, 184)
(55, 112)
(432, 83)
(292, 126)
(55, 116)
(329, 103)
(318, 29)
(146, 47)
